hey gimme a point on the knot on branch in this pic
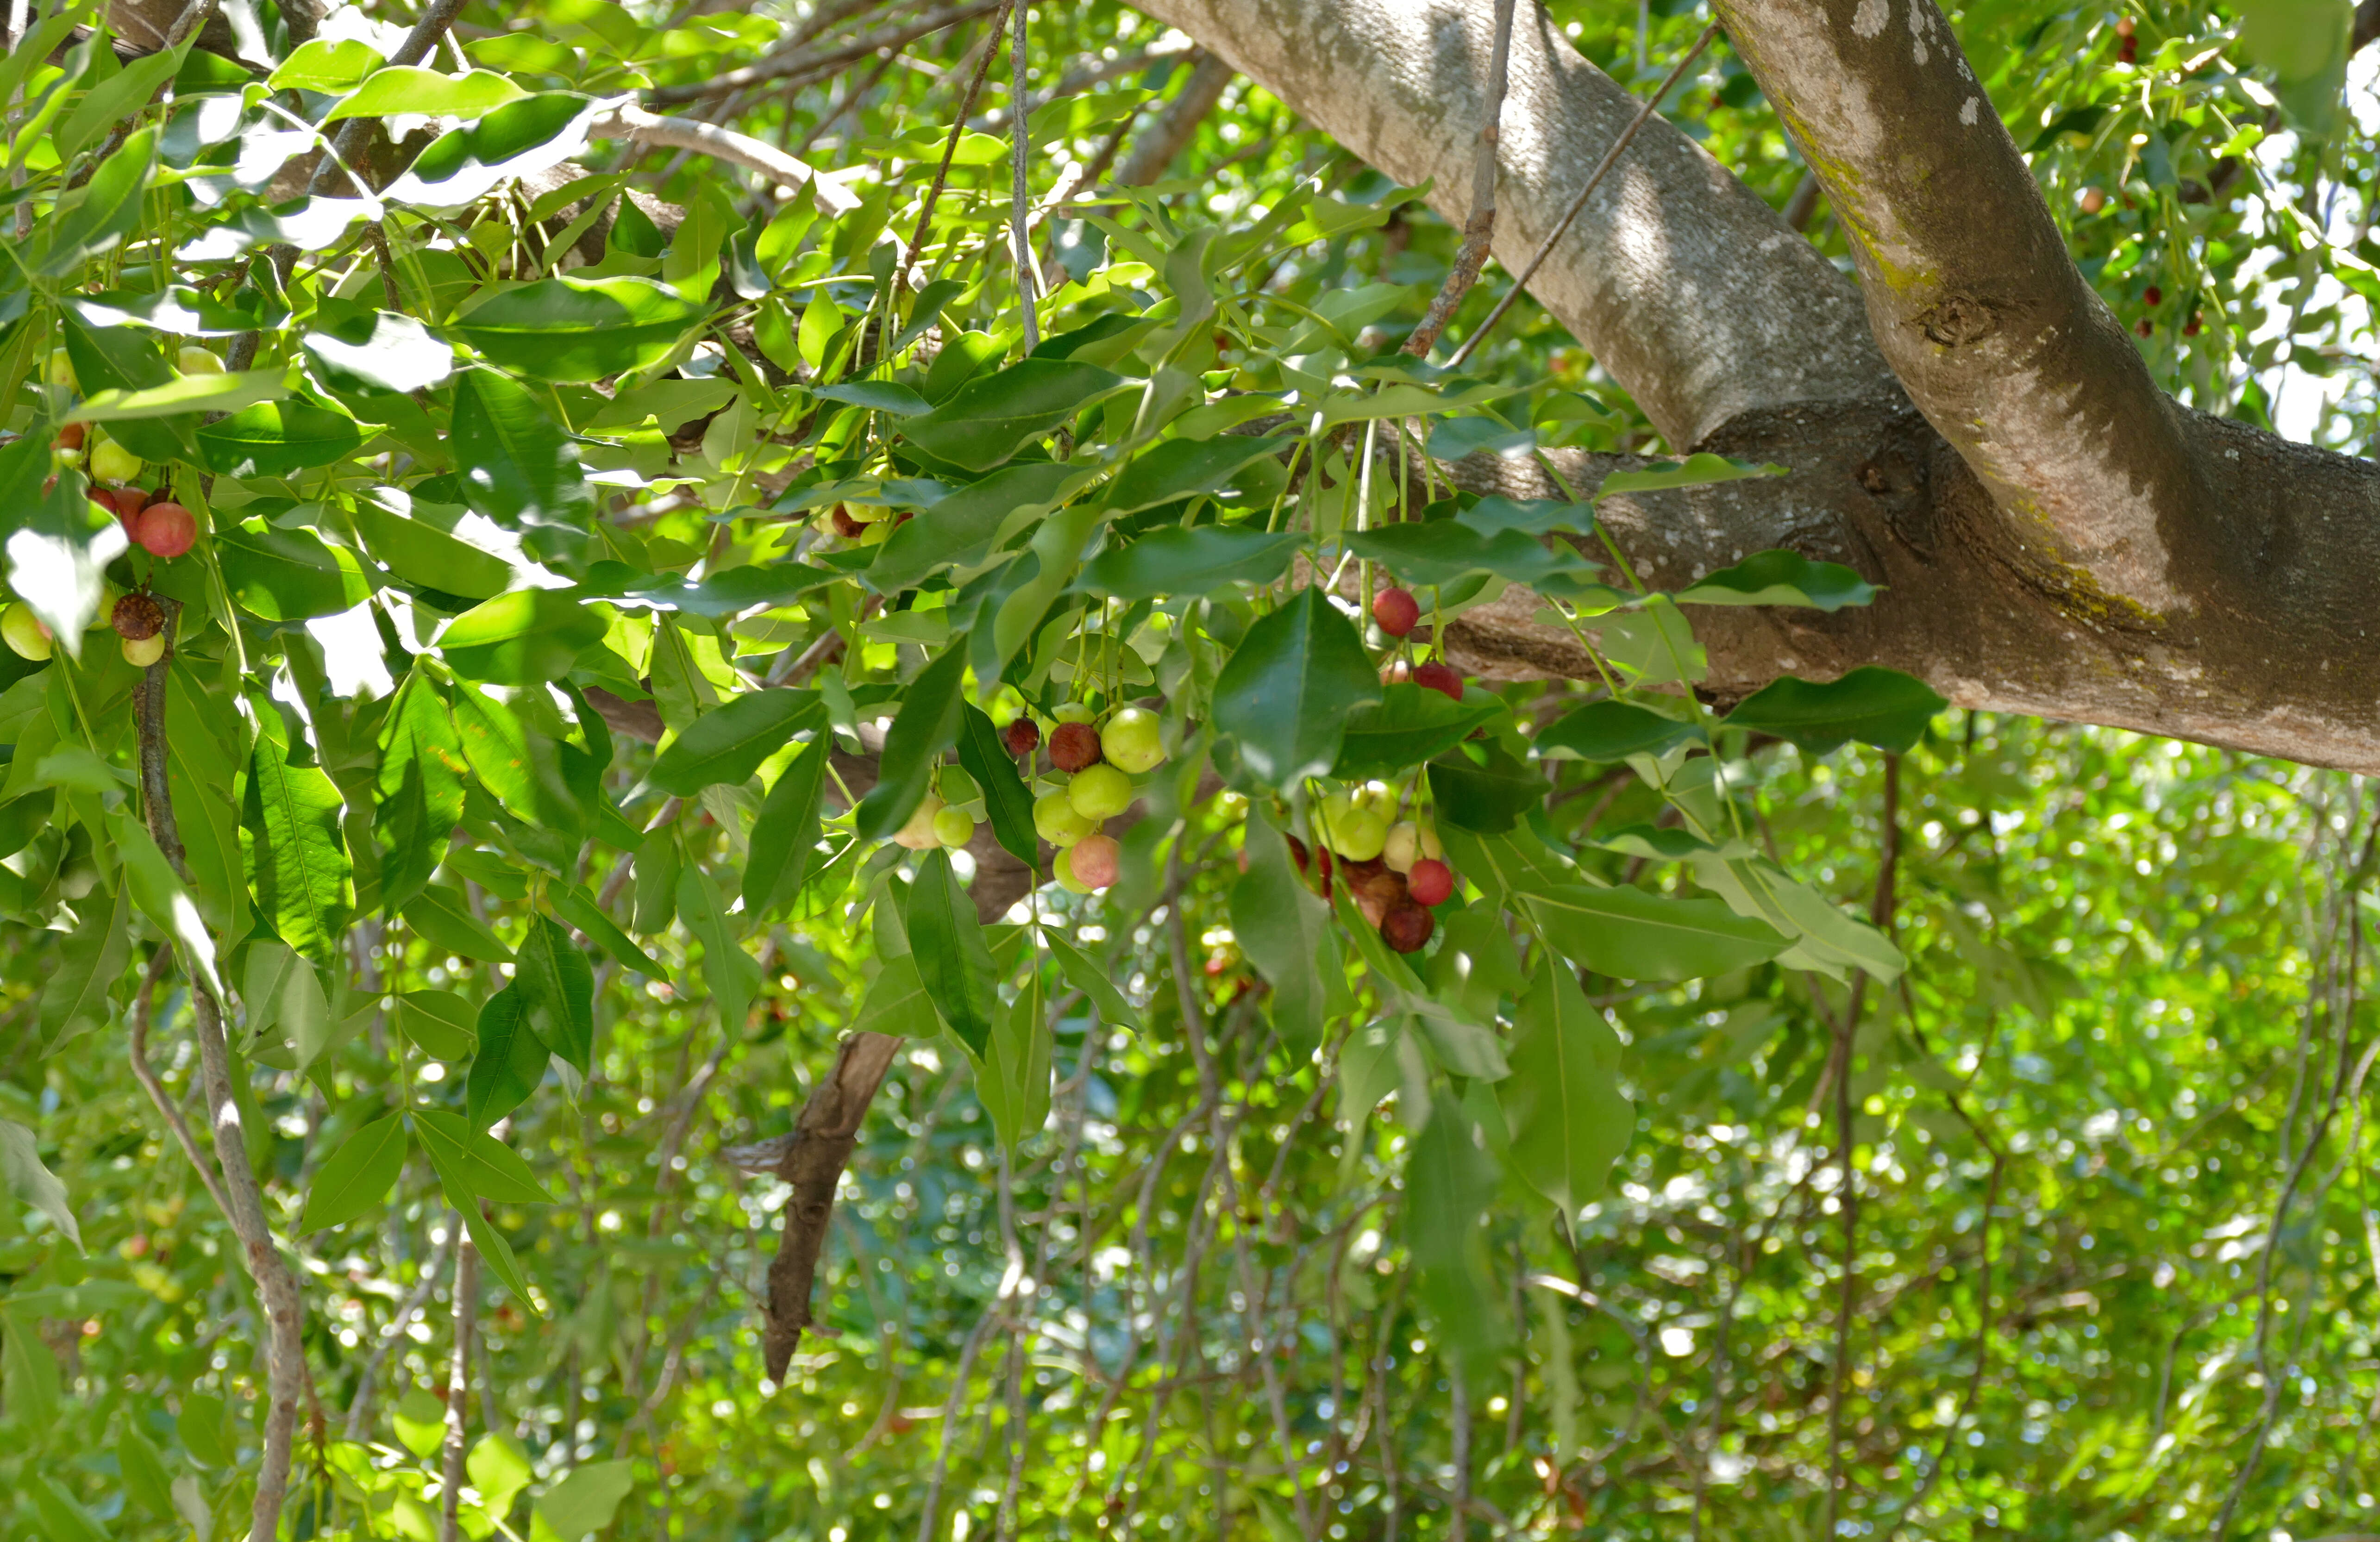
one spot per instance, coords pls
(1958, 321)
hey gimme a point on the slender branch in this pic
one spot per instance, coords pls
(412, 50)
(458, 1383)
(1171, 133)
(792, 59)
(633, 123)
(143, 1003)
(284, 1309)
(1020, 218)
(1480, 227)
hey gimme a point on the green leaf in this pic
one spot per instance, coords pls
(1780, 579)
(586, 1500)
(1441, 551)
(508, 1062)
(1287, 692)
(378, 349)
(522, 637)
(518, 139)
(1613, 731)
(785, 835)
(74, 995)
(499, 1469)
(577, 329)
(438, 914)
(476, 1164)
(1410, 726)
(422, 554)
(1562, 1103)
(953, 958)
(728, 742)
(517, 467)
(1006, 800)
(438, 1022)
(1284, 928)
(1534, 517)
(1629, 934)
(881, 396)
(358, 1177)
(927, 724)
(108, 211)
(28, 1180)
(202, 393)
(731, 972)
(1013, 1070)
(63, 1517)
(420, 1421)
(897, 1004)
(503, 731)
(297, 859)
(1457, 437)
(417, 787)
(557, 992)
(1184, 467)
(989, 420)
(1200, 560)
(1875, 706)
(276, 438)
(574, 905)
(1450, 1184)
(322, 65)
(1487, 800)
(412, 88)
(287, 1005)
(1695, 470)
(29, 1372)
(1653, 645)
(288, 575)
(120, 96)
(1090, 979)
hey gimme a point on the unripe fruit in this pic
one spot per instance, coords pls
(111, 462)
(140, 652)
(1095, 860)
(1099, 793)
(1404, 846)
(61, 371)
(1073, 712)
(1407, 928)
(1056, 821)
(1074, 746)
(867, 513)
(1436, 675)
(137, 617)
(1062, 869)
(953, 827)
(1396, 612)
(24, 633)
(1131, 740)
(918, 833)
(1022, 737)
(196, 360)
(1431, 882)
(1355, 833)
(875, 535)
(165, 530)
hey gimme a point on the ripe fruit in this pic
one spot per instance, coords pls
(1407, 928)
(918, 833)
(1431, 882)
(1131, 740)
(2092, 200)
(1022, 737)
(140, 652)
(2152, 295)
(1396, 612)
(61, 371)
(1095, 860)
(196, 360)
(1408, 843)
(846, 525)
(1439, 676)
(1354, 831)
(71, 436)
(1074, 746)
(953, 827)
(1099, 792)
(137, 617)
(1062, 869)
(111, 462)
(1056, 820)
(1396, 672)
(165, 529)
(23, 632)
(1074, 711)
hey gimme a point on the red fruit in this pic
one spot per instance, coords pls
(2144, 328)
(1407, 928)
(2152, 295)
(71, 436)
(165, 530)
(2189, 328)
(1023, 737)
(1075, 746)
(137, 617)
(1437, 675)
(1431, 882)
(1396, 611)
(846, 525)
(1095, 860)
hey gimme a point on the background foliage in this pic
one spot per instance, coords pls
(2115, 1261)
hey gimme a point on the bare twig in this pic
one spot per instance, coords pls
(1594, 179)
(142, 1005)
(1480, 227)
(633, 123)
(459, 1384)
(1020, 219)
(791, 59)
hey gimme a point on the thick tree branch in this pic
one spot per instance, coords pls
(1170, 133)
(1686, 286)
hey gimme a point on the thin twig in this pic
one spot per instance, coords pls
(633, 123)
(1480, 227)
(1028, 286)
(1595, 179)
(459, 1384)
(142, 1004)
(360, 1408)
(791, 59)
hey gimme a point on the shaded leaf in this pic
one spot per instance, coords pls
(987, 420)
(507, 1062)
(1780, 579)
(927, 724)
(1287, 692)
(1613, 731)
(1629, 934)
(1875, 706)
(1007, 802)
(1562, 1103)
(1196, 561)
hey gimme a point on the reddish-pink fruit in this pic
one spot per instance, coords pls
(137, 618)
(1396, 612)
(1396, 672)
(2152, 296)
(1023, 737)
(71, 436)
(165, 530)
(1407, 928)
(1095, 859)
(1431, 882)
(1075, 746)
(1436, 675)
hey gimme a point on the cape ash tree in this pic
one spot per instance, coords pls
(1286, 768)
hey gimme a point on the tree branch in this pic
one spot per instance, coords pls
(1480, 225)
(721, 144)
(796, 58)
(1159, 145)
(459, 1384)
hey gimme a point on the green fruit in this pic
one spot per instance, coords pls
(111, 462)
(953, 827)
(1073, 712)
(140, 652)
(61, 371)
(1062, 869)
(1099, 792)
(1132, 741)
(1055, 821)
(196, 360)
(24, 633)
(1358, 835)
(918, 833)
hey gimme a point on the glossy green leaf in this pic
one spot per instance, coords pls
(1086, 975)
(505, 739)
(987, 420)
(1534, 517)
(74, 998)
(729, 972)
(421, 553)
(1875, 706)
(287, 574)
(1012, 1071)
(953, 958)
(277, 438)
(784, 837)
(298, 865)
(557, 992)
(321, 65)
(1182, 468)
(1486, 799)
(357, 1177)
(1287, 691)
(480, 1165)
(1697, 470)
(1409, 726)
(926, 726)
(517, 139)
(159, 893)
(380, 349)
(1201, 560)
(412, 88)
(440, 916)
(1441, 551)
(508, 1060)
(728, 742)
(1569, 1120)
(1007, 802)
(417, 787)
(584, 1501)
(516, 466)
(1780, 579)
(882, 395)
(522, 637)
(574, 905)
(108, 212)
(1613, 731)
(202, 393)
(959, 527)
(897, 1004)
(439, 1024)
(1629, 934)
(574, 329)
(1284, 928)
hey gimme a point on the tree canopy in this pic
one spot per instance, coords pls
(1320, 768)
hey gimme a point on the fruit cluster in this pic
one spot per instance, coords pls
(862, 524)
(1098, 764)
(1396, 872)
(1396, 613)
